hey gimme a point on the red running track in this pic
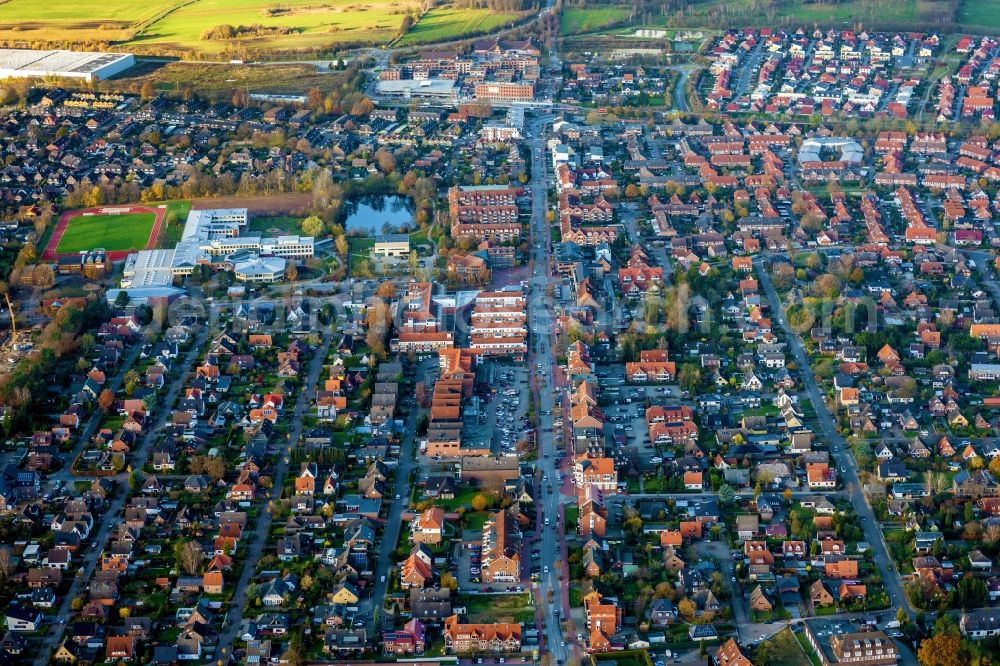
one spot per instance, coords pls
(51, 254)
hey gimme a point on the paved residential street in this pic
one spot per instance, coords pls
(839, 451)
(88, 430)
(234, 617)
(371, 608)
(111, 517)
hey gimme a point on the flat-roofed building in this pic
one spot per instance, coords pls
(502, 91)
(392, 246)
(260, 270)
(86, 65)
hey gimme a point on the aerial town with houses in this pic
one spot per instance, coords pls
(509, 351)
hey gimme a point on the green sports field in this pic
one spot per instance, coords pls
(129, 231)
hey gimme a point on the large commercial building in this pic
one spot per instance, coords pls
(212, 238)
(443, 89)
(89, 66)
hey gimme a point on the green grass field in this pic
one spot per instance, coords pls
(111, 232)
(574, 21)
(983, 14)
(73, 11)
(910, 13)
(500, 608)
(274, 226)
(313, 25)
(173, 224)
(178, 27)
(443, 23)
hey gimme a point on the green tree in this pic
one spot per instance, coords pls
(312, 226)
(727, 495)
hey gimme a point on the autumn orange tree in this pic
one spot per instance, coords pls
(479, 502)
(945, 646)
(106, 400)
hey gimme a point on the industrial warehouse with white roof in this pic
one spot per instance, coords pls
(86, 65)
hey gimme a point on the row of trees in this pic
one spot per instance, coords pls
(227, 31)
(497, 5)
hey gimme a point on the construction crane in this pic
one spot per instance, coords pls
(13, 324)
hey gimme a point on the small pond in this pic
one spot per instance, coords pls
(378, 214)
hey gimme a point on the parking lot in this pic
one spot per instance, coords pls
(467, 572)
(626, 405)
(503, 397)
(510, 403)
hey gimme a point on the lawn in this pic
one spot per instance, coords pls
(626, 658)
(73, 11)
(219, 80)
(573, 21)
(359, 260)
(273, 226)
(444, 23)
(500, 608)
(360, 245)
(173, 222)
(807, 649)
(463, 499)
(475, 520)
(129, 231)
(782, 648)
(572, 517)
(74, 20)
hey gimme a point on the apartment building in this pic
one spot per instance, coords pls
(501, 559)
(503, 91)
(497, 638)
(599, 472)
(484, 212)
(499, 324)
(419, 326)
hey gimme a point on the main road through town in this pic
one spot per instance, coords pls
(541, 319)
